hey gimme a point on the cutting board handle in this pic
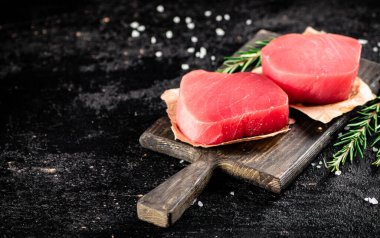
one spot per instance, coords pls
(165, 204)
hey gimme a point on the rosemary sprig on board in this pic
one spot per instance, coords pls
(354, 141)
(244, 59)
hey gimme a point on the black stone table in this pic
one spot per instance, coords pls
(76, 92)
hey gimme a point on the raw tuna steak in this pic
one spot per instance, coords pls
(317, 69)
(214, 107)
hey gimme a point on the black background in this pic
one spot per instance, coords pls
(76, 93)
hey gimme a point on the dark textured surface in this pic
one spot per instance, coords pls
(76, 93)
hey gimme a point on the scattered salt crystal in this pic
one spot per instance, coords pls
(203, 51)
(218, 18)
(219, 31)
(176, 20)
(185, 66)
(106, 20)
(232, 193)
(153, 40)
(169, 34)
(363, 41)
(194, 39)
(208, 13)
(320, 162)
(248, 22)
(340, 134)
(346, 128)
(181, 161)
(190, 25)
(374, 149)
(373, 201)
(212, 58)
(337, 173)
(135, 34)
(197, 54)
(366, 199)
(312, 164)
(188, 19)
(318, 167)
(190, 50)
(227, 17)
(160, 8)
(141, 28)
(375, 49)
(378, 44)
(200, 203)
(193, 201)
(134, 24)
(158, 54)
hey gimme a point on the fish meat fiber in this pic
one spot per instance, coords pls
(314, 68)
(215, 107)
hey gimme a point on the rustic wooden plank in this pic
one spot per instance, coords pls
(271, 163)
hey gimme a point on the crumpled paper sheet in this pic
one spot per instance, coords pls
(170, 97)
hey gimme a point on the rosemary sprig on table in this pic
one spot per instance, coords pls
(244, 59)
(354, 141)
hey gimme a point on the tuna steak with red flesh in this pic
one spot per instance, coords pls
(214, 107)
(316, 69)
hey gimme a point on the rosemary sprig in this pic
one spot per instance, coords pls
(354, 141)
(244, 59)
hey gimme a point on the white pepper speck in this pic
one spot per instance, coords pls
(169, 34)
(375, 49)
(363, 41)
(160, 8)
(208, 13)
(194, 39)
(374, 149)
(219, 31)
(185, 67)
(337, 173)
(212, 58)
(248, 22)
(200, 203)
(232, 193)
(218, 18)
(227, 17)
(190, 50)
(176, 20)
(158, 54)
(318, 166)
(141, 28)
(135, 34)
(191, 25)
(134, 24)
(153, 40)
(188, 19)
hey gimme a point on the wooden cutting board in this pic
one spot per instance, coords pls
(272, 163)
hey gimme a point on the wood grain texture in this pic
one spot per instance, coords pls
(271, 163)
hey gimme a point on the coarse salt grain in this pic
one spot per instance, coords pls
(135, 34)
(212, 58)
(176, 20)
(318, 167)
(185, 67)
(232, 193)
(208, 13)
(227, 17)
(190, 50)
(203, 51)
(134, 24)
(169, 34)
(194, 39)
(141, 28)
(188, 19)
(153, 40)
(374, 149)
(181, 161)
(320, 162)
(218, 18)
(312, 164)
(338, 173)
(375, 49)
(219, 31)
(197, 54)
(366, 199)
(374, 201)
(160, 8)
(248, 22)
(200, 203)
(190, 25)
(363, 41)
(158, 54)
(378, 44)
